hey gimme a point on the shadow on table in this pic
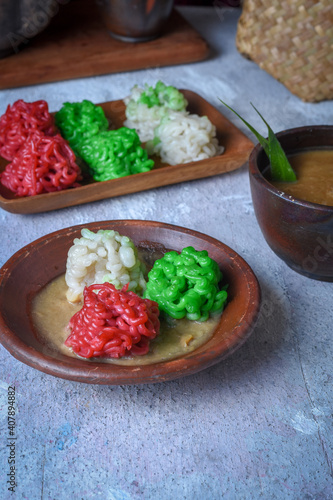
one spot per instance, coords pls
(253, 362)
(259, 351)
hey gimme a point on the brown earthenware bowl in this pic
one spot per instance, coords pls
(299, 232)
(35, 265)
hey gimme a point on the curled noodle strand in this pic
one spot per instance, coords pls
(113, 323)
(43, 164)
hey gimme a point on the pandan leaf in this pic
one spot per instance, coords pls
(264, 142)
(281, 169)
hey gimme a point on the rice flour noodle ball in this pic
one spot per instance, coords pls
(146, 107)
(101, 257)
(19, 121)
(184, 137)
(79, 121)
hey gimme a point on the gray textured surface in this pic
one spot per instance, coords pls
(258, 425)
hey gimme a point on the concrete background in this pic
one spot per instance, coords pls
(258, 425)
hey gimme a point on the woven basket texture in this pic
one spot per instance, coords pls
(293, 41)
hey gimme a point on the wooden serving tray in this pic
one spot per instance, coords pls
(237, 149)
(77, 44)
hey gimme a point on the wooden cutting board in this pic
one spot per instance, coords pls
(76, 44)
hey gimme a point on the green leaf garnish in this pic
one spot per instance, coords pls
(281, 170)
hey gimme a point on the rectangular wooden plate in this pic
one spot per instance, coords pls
(76, 44)
(237, 149)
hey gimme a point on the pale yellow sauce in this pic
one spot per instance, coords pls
(314, 171)
(51, 313)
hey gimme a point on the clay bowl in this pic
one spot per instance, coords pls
(299, 232)
(35, 265)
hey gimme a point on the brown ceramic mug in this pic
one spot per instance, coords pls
(299, 232)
